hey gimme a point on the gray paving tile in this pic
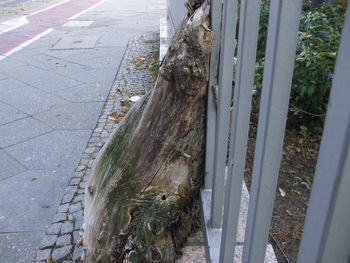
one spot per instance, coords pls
(10, 83)
(8, 65)
(52, 150)
(9, 166)
(8, 113)
(54, 65)
(76, 42)
(80, 116)
(30, 100)
(19, 247)
(3, 76)
(35, 196)
(84, 93)
(54, 83)
(27, 73)
(101, 76)
(21, 130)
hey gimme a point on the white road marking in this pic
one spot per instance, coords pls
(87, 10)
(18, 48)
(13, 24)
(49, 7)
(77, 24)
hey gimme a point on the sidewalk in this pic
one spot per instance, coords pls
(51, 95)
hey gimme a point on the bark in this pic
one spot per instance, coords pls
(141, 200)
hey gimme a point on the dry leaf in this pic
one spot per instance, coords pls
(124, 110)
(28, 159)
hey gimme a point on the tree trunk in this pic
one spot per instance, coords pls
(141, 201)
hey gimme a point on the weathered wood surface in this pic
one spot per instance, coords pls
(141, 201)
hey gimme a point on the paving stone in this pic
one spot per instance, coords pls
(63, 208)
(67, 227)
(60, 117)
(31, 100)
(54, 229)
(77, 254)
(52, 82)
(21, 130)
(67, 198)
(83, 185)
(78, 174)
(42, 255)
(76, 236)
(78, 220)
(61, 253)
(34, 195)
(48, 241)
(48, 152)
(59, 217)
(73, 42)
(64, 240)
(9, 165)
(78, 198)
(74, 181)
(71, 189)
(9, 113)
(10, 83)
(84, 93)
(75, 207)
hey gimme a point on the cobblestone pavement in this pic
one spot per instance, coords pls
(59, 243)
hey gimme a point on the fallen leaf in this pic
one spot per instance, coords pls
(124, 102)
(34, 178)
(28, 159)
(124, 110)
(45, 206)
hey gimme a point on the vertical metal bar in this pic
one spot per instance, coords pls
(216, 7)
(247, 44)
(278, 71)
(326, 235)
(223, 111)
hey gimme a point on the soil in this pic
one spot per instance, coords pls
(298, 163)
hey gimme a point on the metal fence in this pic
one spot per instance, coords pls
(326, 235)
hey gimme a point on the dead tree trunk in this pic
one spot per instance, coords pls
(141, 197)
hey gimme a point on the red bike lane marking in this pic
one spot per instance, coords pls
(42, 21)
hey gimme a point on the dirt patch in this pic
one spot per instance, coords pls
(298, 163)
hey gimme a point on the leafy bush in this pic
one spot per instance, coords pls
(317, 44)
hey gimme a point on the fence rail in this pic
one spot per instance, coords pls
(326, 235)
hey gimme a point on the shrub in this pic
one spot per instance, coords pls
(317, 45)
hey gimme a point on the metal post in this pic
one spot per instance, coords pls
(223, 111)
(326, 235)
(247, 44)
(278, 71)
(216, 7)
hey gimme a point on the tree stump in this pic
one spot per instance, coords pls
(142, 198)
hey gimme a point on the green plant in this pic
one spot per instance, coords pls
(317, 45)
